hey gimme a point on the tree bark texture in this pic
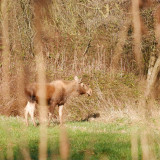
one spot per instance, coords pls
(137, 35)
(5, 52)
(154, 66)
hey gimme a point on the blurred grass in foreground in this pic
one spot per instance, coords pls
(88, 140)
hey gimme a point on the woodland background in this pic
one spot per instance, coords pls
(112, 45)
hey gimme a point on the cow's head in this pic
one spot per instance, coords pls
(82, 88)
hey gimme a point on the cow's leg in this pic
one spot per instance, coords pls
(30, 109)
(26, 115)
(32, 112)
(61, 114)
(50, 115)
(51, 111)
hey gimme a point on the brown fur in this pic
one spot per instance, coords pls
(57, 92)
(145, 3)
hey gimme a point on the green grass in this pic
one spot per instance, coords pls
(88, 140)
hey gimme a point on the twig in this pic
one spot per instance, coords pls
(88, 46)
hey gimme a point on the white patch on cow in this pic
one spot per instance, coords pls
(30, 109)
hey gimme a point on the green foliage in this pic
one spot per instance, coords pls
(87, 140)
(84, 140)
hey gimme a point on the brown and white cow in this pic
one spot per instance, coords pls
(57, 93)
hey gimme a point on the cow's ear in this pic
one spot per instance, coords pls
(82, 85)
(77, 79)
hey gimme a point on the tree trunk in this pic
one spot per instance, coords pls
(137, 36)
(154, 65)
(40, 65)
(5, 52)
(17, 49)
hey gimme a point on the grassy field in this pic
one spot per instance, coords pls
(113, 46)
(88, 140)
